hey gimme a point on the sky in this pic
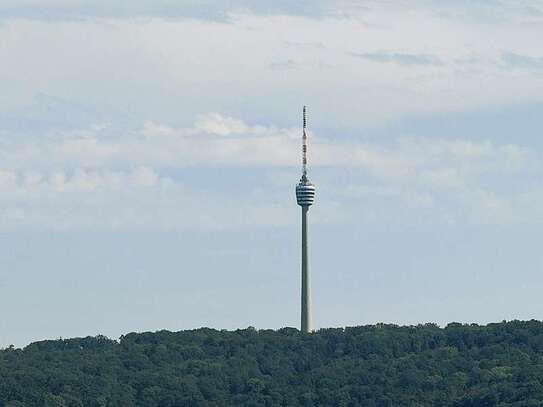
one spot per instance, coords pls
(149, 152)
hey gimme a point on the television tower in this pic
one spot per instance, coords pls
(305, 196)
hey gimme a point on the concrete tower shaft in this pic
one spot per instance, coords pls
(305, 197)
(306, 324)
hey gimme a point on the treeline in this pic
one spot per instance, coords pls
(379, 365)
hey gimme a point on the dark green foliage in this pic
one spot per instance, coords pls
(373, 366)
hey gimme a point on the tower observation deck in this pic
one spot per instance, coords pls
(305, 197)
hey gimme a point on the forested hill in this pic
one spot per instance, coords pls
(380, 365)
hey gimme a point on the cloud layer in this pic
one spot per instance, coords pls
(216, 10)
(107, 178)
(169, 9)
(381, 62)
(133, 102)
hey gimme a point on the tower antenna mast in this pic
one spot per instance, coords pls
(304, 142)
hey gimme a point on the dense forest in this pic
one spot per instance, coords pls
(380, 365)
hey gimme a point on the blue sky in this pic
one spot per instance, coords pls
(149, 152)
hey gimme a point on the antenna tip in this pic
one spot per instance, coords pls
(305, 117)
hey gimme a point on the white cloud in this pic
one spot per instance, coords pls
(84, 148)
(77, 179)
(217, 140)
(152, 129)
(139, 198)
(223, 126)
(7, 180)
